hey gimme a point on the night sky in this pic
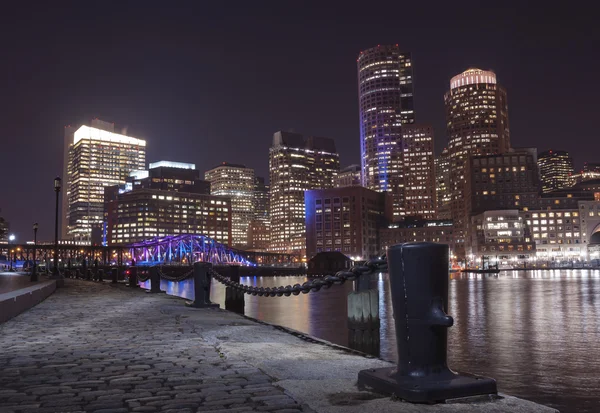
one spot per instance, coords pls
(206, 83)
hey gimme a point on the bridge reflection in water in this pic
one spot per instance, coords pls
(535, 332)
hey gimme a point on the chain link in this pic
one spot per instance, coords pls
(372, 266)
(175, 278)
(143, 275)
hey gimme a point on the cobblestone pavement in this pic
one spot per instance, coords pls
(106, 349)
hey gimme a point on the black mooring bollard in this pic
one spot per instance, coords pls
(114, 272)
(202, 281)
(133, 279)
(419, 286)
(154, 281)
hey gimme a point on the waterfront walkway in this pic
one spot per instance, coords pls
(103, 348)
(11, 281)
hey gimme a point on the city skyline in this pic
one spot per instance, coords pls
(183, 119)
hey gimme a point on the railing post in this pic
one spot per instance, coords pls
(154, 281)
(234, 298)
(133, 278)
(363, 321)
(202, 280)
(419, 288)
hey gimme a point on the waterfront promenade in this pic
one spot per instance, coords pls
(102, 348)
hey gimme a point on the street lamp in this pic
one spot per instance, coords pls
(55, 273)
(34, 276)
(11, 238)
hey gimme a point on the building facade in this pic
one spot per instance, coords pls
(476, 124)
(556, 170)
(349, 176)
(167, 199)
(97, 158)
(296, 164)
(385, 94)
(419, 171)
(438, 231)
(346, 220)
(442, 186)
(503, 181)
(556, 233)
(499, 237)
(238, 183)
(259, 232)
(4, 229)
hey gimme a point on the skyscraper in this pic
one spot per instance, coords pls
(3, 230)
(442, 185)
(347, 220)
(556, 170)
(419, 171)
(97, 157)
(259, 232)
(168, 199)
(296, 164)
(349, 176)
(237, 183)
(476, 124)
(385, 94)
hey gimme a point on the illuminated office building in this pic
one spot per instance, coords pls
(261, 198)
(236, 182)
(417, 230)
(504, 181)
(97, 158)
(500, 237)
(168, 199)
(296, 164)
(385, 93)
(346, 220)
(556, 170)
(419, 171)
(259, 231)
(476, 124)
(4, 228)
(349, 176)
(442, 185)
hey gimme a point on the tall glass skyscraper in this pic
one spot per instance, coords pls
(297, 164)
(236, 182)
(385, 94)
(476, 124)
(556, 170)
(97, 158)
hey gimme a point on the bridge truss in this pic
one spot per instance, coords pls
(185, 249)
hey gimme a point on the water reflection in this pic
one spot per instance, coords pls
(536, 333)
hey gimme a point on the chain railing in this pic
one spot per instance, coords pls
(372, 266)
(174, 276)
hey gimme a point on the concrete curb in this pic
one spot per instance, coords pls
(15, 302)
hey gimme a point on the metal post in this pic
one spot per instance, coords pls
(154, 281)
(57, 191)
(234, 298)
(34, 276)
(8, 253)
(114, 272)
(419, 287)
(133, 279)
(202, 282)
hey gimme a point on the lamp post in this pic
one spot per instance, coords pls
(55, 273)
(34, 276)
(11, 238)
